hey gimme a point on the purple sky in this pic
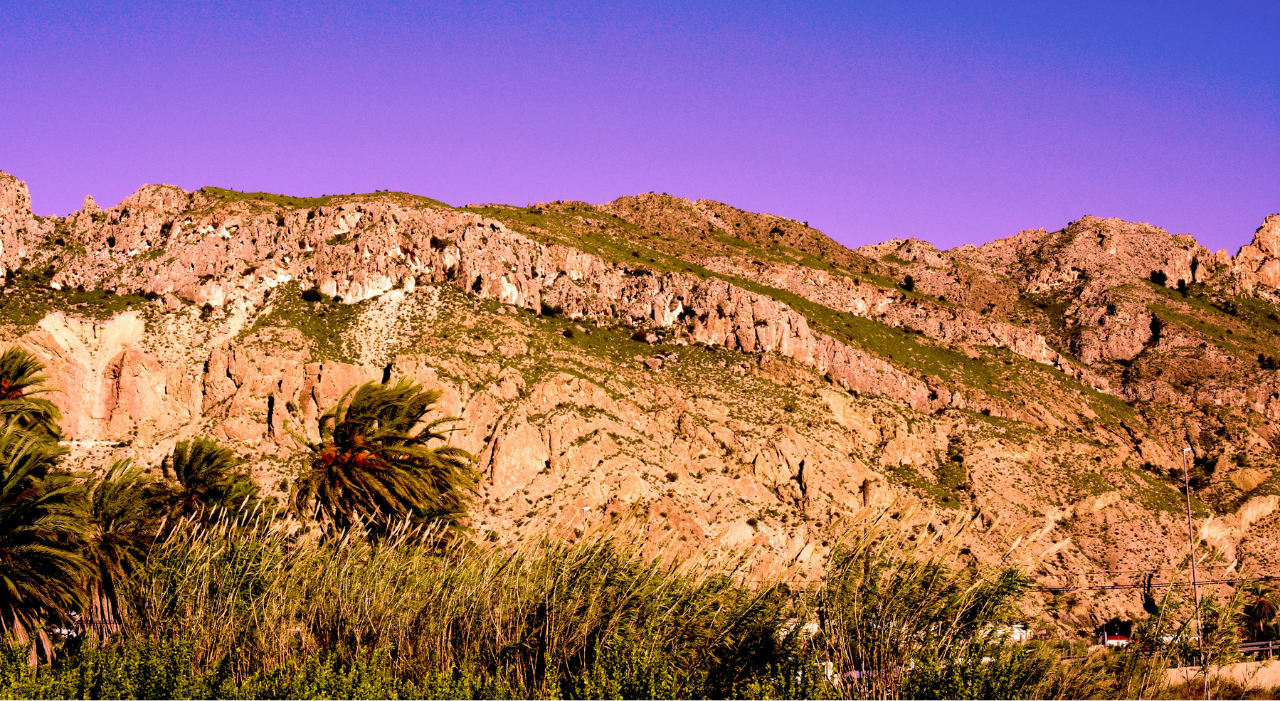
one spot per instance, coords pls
(868, 120)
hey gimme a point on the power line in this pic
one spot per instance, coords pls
(1141, 570)
(1154, 585)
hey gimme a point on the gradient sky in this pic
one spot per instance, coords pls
(954, 122)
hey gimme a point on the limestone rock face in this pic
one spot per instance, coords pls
(737, 382)
(1102, 253)
(107, 388)
(1259, 262)
(228, 258)
(15, 205)
(19, 228)
(1114, 331)
(1226, 533)
(951, 325)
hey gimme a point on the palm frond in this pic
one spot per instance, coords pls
(377, 461)
(208, 476)
(20, 381)
(124, 508)
(42, 524)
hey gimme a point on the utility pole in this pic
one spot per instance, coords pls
(1195, 581)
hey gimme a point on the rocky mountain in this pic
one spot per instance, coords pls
(739, 380)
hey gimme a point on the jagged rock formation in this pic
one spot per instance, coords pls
(738, 379)
(1258, 264)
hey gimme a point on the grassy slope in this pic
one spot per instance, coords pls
(27, 298)
(1001, 375)
(625, 243)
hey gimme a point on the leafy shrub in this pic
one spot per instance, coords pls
(141, 669)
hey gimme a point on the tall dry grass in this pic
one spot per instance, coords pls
(252, 605)
(586, 617)
(906, 616)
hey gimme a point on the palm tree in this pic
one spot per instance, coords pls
(375, 462)
(124, 511)
(20, 379)
(1261, 604)
(207, 476)
(41, 530)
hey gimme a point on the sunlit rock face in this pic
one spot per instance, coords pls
(738, 383)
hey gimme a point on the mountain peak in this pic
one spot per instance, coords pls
(1258, 263)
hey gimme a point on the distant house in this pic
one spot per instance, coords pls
(1115, 633)
(1113, 640)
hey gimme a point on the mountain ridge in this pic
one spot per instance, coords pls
(741, 379)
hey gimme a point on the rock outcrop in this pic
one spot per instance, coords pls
(1258, 263)
(19, 228)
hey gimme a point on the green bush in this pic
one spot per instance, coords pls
(152, 670)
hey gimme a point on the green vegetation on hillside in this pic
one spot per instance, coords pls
(626, 244)
(288, 202)
(190, 585)
(225, 196)
(591, 229)
(27, 297)
(327, 323)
